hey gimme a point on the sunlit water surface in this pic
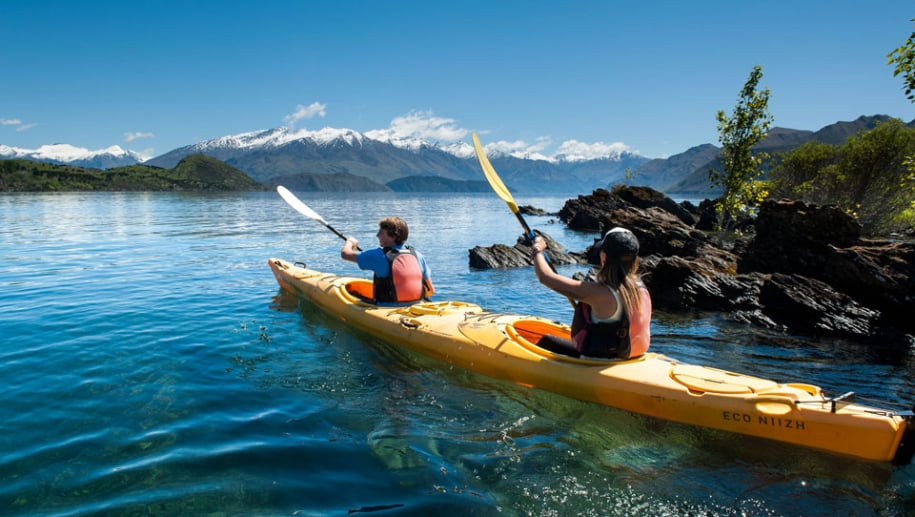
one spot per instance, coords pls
(151, 366)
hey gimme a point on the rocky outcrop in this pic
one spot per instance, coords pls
(502, 256)
(530, 210)
(825, 244)
(797, 267)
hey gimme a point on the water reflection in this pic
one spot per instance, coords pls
(153, 366)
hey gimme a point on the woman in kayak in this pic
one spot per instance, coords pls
(401, 273)
(613, 315)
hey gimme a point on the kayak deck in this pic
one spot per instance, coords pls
(503, 346)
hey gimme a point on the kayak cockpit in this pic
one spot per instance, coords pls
(528, 332)
(359, 290)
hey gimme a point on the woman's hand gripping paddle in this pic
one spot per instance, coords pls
(502, 191)
(303, 209)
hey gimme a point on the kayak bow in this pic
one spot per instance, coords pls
(502, 346)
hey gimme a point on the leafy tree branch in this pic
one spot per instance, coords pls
(748, 124)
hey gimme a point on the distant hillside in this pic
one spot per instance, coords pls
(198, 173)
(346, 182)
(672, 170)
(276, 156)
(201, 172)
(271, 156)
(436, 184)
(338, 182)
(64, 154)
(343, 159)
(687, 173)
(378, 161)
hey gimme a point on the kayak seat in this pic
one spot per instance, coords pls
(558, 345)
(362, 290)
(569, 347)
(551, 338)
(535, 329)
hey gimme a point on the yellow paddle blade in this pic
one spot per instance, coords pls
(494, 181)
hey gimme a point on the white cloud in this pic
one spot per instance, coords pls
(145, 154)
(520, 147)
(130, 137)
(310, 111)
(422, 125)
(573, 150)
(16, 122)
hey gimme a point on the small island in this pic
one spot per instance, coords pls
(196, 172)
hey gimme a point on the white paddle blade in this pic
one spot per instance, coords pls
(298, 205)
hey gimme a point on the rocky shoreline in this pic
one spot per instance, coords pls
(796, 267)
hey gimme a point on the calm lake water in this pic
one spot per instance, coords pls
(152, 366)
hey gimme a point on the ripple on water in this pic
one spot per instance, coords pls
(151, 365)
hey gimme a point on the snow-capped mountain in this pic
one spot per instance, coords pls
(379, 155)
(384, 156)
(278, 137)
(107, 158)
(571, 151)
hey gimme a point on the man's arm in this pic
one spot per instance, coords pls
(349, 251)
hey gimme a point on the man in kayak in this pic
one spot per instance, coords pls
(401, 273)
(613, 315)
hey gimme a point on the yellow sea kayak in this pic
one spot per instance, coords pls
(502, 346)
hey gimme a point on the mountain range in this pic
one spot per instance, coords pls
(66, 154)
(364, 161)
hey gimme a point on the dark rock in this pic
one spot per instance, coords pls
(708, 216)
(703, 282)
(660, 232)
(530, 210)
(645, 197)
(879, 275)
(795, 237)
(498, 256)
(586, 212)
(502, 256)
(810, 306)
(797, 267)
(824, 243)
(709, 220)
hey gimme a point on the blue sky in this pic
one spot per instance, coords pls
(650, 76)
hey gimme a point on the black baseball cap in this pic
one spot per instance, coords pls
(620, 242)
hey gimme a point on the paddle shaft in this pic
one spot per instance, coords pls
(527, 229)
(495, 182)
(331, 228)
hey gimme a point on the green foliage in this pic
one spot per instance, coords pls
(196, 172)
(201, 172)
(805, 173)
(868, 176)
(748, 124)
(904, 59)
